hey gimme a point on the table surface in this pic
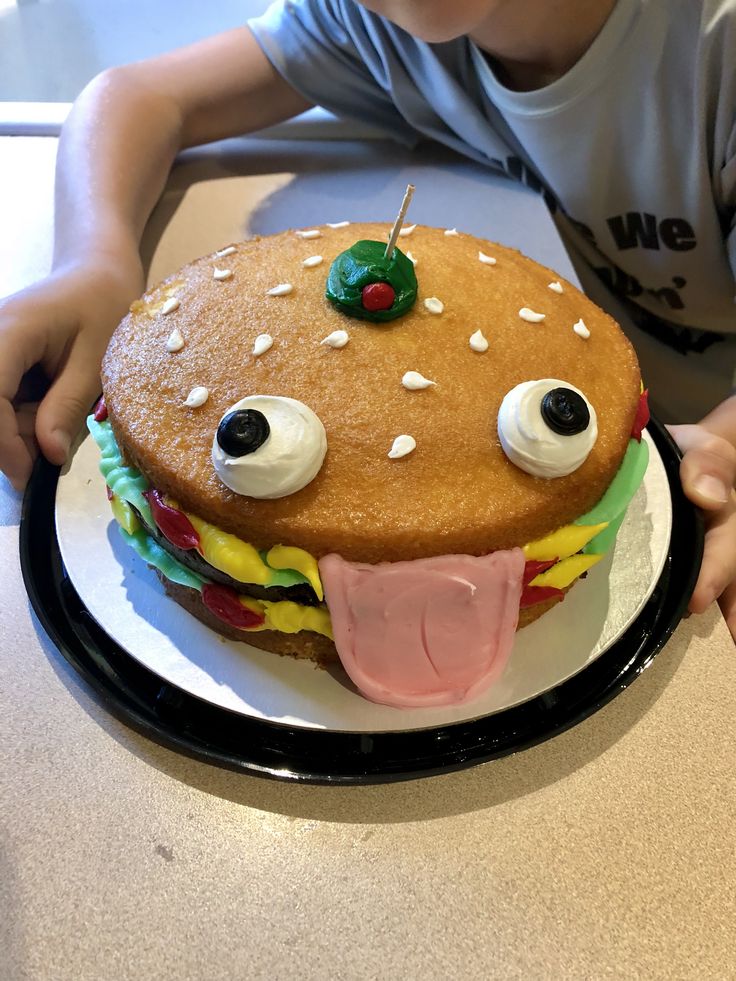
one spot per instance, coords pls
(605, 852)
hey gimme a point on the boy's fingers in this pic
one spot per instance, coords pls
(708, 474)
(16, 461)
(718, 571)
(26, 419)
(708, 467)
(62, 411)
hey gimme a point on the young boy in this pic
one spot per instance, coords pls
(620, 112)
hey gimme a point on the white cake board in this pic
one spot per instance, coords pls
(127, 600)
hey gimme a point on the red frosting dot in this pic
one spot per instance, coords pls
(100, 413)
(173, 524)
(642, 416)
(378, 296)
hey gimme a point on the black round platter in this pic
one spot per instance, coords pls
(190, 725)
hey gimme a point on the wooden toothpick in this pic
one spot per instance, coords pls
(399, 221)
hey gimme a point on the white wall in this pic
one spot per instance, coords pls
(49, 49)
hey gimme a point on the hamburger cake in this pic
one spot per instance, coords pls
(391, 457)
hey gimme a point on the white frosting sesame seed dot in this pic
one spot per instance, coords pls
(312, 261)
(309, 233)
(487, 260)
(337, 224)
(530, 316)
(402, 445)
(434, 305)
(226, 252)
(452, 232)
(283, 289)
(337, 339)
(170, 305)
(197, 397)
(555, 287)
(222, 274)
(414, 381)
(175, 342)
(262, 343)
(478, 342)
(581, 330)
(406, 230)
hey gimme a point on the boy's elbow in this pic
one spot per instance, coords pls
(116, 83)
(130, 88)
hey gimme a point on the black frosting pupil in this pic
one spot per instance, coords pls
(565, 412)
(242, 431)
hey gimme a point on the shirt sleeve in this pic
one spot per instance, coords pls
(332, 53)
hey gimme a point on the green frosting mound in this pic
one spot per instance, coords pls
(362, 264)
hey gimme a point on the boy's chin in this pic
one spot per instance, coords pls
(434, 23)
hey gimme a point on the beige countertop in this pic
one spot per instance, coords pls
(607, 852)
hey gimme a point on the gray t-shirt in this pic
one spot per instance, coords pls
(634, 149)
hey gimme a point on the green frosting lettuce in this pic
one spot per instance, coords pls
(365, 263)
(614, 503)
(152, 553)
(125, 482)
(282, 577)
(129, 485)
(605, 540)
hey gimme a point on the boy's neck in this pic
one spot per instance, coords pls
(534, 43)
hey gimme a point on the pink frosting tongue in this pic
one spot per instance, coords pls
(433, 631)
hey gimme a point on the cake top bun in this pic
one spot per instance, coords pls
(254, 320)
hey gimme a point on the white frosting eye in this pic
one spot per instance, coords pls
(547, 427)
(268, 446)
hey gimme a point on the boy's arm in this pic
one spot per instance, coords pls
(708, 473)
(125, 129)
(115, 153)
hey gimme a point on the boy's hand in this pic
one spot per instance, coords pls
(56, 332)
(708, 474)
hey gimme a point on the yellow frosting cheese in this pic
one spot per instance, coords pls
(289, 617)
(229, 554)
(242, 561)
(563, 542)
(566, 571)
(124, 514)
(288, 557)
